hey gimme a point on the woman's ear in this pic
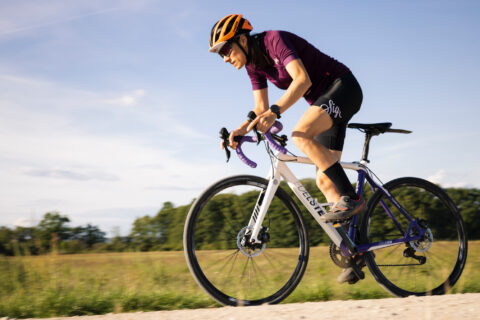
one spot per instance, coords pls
(243, 41)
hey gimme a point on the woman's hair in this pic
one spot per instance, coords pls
(258, 57)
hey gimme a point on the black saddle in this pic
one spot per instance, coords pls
(376, 128)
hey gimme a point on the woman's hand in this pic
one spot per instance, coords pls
(241, 131)
(263, 121)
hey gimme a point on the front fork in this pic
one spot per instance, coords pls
(261, 208)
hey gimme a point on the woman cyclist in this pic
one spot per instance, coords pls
(329, 87)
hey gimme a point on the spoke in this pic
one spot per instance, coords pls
(279, 262)
(232, 229)
(262, 285)
(267, 257)
(245, 268)
(231, 268)
(228, 258)
(436, 273)
(260, 271)
(228, 240)
(219, 260)
(439, 261)
(390, 252)
(257, 268)
(441, 257)
(412, 284)
(280, 252)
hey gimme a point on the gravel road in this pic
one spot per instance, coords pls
(455, 306)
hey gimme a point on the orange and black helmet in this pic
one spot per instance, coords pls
(226, 29)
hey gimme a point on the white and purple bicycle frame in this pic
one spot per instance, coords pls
(337, 234)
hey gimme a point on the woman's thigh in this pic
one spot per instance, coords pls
(313, 122)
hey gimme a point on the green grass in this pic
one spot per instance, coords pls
(68, 285)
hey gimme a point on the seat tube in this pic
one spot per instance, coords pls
(360, 182)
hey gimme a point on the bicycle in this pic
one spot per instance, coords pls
(246, 242)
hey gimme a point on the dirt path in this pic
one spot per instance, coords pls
(457, 306)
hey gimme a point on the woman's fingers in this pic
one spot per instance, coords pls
(253, 123)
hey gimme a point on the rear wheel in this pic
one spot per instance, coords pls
(222, 260)
(431, 265)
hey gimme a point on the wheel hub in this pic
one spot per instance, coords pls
(246, 247)
(423, 244)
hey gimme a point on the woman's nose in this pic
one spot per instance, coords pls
(226, 59)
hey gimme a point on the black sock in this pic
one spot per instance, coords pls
(340, 180)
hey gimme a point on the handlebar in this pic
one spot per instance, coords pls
(270, 136)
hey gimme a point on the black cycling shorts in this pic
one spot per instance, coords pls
(341, 100)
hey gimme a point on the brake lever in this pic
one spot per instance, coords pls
(257, 134)
(224, 135)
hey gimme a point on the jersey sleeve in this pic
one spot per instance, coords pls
(283, 49)
(259, 81)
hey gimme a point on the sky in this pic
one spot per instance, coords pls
(109, 108)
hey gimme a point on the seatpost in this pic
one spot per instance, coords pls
(366, 146)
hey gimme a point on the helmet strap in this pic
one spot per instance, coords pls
(247, 55)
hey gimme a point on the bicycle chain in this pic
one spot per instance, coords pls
(398, 265)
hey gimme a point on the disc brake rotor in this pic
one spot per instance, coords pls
(244, 245)
(422, 245)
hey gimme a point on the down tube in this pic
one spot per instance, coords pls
(309, 202)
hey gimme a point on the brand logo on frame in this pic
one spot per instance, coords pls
(310, 200)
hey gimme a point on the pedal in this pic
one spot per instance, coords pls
(358, 269)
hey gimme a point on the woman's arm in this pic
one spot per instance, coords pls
(261, 105)
(300, 84)
(261, 101)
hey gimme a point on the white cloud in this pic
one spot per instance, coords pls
(130, 99)
(438, 177)
(56, 155)
(448, 179)
(25, 222)
(25, 17)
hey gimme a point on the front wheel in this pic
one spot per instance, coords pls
(428, 266)
(222, 260)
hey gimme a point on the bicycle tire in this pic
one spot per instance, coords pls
(201, 248)
(444, 250)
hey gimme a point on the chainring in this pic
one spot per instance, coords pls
(338, 258)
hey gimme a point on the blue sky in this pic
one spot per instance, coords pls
(110, 108)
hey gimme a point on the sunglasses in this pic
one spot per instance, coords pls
(225, 50)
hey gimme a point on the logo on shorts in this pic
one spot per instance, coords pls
(332, 109)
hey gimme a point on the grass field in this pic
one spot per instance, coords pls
(67, 285)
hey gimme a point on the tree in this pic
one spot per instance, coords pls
(6, 236)
(163, 221)
(468, 202)
(145, 234)
(52, 229)
(89, 235)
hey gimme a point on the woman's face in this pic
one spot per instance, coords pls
(236, 57)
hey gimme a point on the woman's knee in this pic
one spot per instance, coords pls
(301, 140)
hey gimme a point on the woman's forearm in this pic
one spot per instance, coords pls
(295, 91)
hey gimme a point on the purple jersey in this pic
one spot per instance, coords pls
(283, 47)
